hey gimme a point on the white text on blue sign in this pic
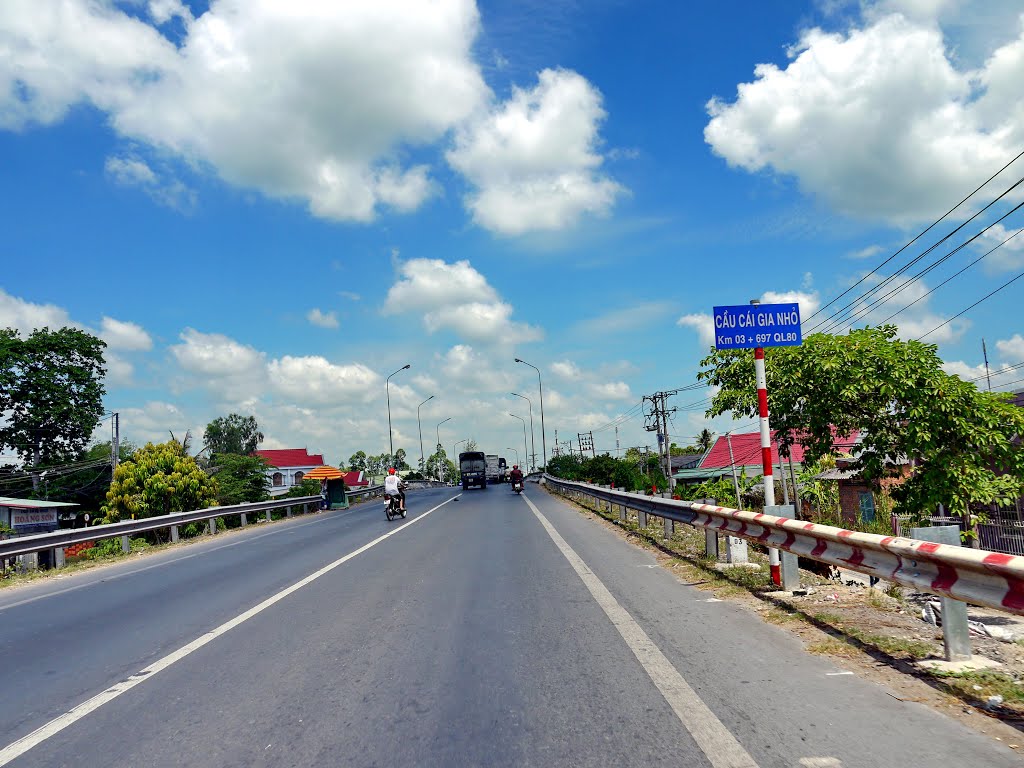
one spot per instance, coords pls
(757, 325)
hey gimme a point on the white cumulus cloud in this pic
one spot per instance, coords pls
(322, 319)
(315, 380)
(879, 122)
(456, 297)
(125, 336)
(534, 160)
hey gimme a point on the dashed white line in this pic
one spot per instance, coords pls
(719, 746)
(58, 724)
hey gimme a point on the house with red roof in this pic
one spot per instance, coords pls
(288, 466)
(744, 452)
(355, 479)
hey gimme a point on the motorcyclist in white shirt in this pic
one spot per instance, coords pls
(393, 486)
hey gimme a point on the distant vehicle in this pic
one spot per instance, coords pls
(493, 471)
(502, 470)
(473, 469)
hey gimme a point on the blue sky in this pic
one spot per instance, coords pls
(269, 207)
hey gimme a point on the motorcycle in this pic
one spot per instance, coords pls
(517, 486)
(393, 507)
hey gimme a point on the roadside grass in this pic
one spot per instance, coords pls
(980, 685)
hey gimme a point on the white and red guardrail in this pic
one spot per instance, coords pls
(974, 576)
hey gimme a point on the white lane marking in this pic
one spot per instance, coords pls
(719, 746)
(837, 674)
(58, 724)
(820, 762)
(711, 600)
(122, 574)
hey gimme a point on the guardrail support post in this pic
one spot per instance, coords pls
(623, 513)
(288, 511)
(213, 526)
(126, 544)
(710, 535)
(641, 518)
(174, 534)
(58, 557)
(956, 634)
(245, 521)
(789, 570)
(268, 516)
(669, 523)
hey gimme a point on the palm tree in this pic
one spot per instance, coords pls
(705, 439)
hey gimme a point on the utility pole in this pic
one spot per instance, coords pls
(115, 444)
(984, 352)
(616, 441)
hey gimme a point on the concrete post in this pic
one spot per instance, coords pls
(126, 544)
(58, 557)
(641, 518)
(623, 513)
(710, 535)
(245, 521)
(213, 526)
(174, 534)
(268, 517)
(955, 633)
(288, 511)
(789, 570)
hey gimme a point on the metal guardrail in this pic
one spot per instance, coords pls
(40, 542)
(991, 579)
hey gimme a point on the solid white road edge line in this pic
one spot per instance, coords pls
(58, 724)
(719, 746)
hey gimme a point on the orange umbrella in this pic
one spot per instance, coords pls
(324, 473)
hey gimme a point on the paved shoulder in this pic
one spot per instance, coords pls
(781, 704)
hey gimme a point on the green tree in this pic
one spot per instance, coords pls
(241, 479)
(51, 393)
(705, 440)
(684, 450)
(305, 488)
(357, 461)
(233, 434)
(400, 462)
(471, 446)
(897, 395)
(158, 480)
(439, 462)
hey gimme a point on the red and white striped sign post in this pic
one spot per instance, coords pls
(757, 327)
(766, 451)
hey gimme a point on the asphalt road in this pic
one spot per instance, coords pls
(479, 631)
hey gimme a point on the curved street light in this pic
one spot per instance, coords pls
(540, 385)
(387, 387)
(423, 464)
(524, 429)
(533, 441)
(437, 433)
(455, 451)
(517, 454)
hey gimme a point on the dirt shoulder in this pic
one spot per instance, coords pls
(878, 635)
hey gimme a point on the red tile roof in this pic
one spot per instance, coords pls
(746, 449)
(355, 479)
(291, 457)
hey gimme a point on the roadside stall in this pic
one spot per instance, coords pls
(26, 516)
(332, 487)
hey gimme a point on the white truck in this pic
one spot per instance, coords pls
(493, 471)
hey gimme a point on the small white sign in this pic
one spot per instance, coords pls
(21, 518)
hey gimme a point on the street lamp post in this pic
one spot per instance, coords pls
(387, 388)
(437, 434)
(419, 424)
(533, 441)
(455, 449)
(517, 454)
(540, 386)
(524, 429)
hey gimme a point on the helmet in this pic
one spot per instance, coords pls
(391, 471)
(515, 466)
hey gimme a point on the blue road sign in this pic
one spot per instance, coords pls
(757, 325)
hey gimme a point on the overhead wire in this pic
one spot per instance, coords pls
(921, 234)
(831, 322)
(986, 297)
